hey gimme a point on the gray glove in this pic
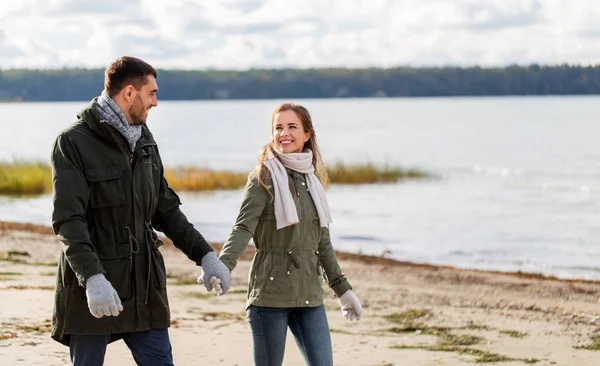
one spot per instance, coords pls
(101, 297)
(351, 308)
(213, 267)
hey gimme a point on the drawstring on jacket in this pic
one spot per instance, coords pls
(152, 243)
(294, 259)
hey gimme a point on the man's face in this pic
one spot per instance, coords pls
(145, 98)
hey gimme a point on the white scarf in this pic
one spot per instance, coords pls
(285, 208)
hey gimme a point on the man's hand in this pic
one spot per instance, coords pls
(102, 298)
(214, 274)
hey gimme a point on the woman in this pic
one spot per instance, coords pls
(285, 211)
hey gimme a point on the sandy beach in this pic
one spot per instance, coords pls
(414, 314)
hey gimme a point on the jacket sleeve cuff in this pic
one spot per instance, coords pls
(230, 264)
(87, 272)
(340, 288)
(203, 249)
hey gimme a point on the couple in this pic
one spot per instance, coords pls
(110, 195)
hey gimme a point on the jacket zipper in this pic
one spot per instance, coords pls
(129, 156)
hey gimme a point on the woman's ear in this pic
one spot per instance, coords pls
(306, 136)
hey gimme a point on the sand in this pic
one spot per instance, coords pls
(414, 314)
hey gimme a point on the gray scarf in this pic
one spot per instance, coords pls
(112, 114)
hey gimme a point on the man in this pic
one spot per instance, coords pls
(109, 196)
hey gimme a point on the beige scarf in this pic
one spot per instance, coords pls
(285, 208)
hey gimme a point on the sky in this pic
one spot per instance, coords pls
(243, 34)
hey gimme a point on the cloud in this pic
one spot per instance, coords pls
(241, 34)
(495, 15)
(7, 50)
(74, 7)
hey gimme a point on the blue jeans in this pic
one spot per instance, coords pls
(151, 347)
(308, 325)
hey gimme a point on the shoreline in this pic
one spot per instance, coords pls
(346, 256)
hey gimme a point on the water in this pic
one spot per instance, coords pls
(518, 185)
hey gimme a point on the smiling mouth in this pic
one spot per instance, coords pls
(285, 142)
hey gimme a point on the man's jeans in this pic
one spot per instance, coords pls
(308, 325)
(151, 347)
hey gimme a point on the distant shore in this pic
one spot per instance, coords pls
(317, 83)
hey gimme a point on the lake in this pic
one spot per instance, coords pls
(518, 186)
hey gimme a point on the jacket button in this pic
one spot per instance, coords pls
(317, 252)
(271, 279)
(298, 194)
(307, 302)
(290, 252)
(303, 183)
(288, 273)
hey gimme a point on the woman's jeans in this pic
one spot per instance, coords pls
(308, 325)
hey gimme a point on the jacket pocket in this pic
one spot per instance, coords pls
(105, 186)
(270, 282)
(119, 275)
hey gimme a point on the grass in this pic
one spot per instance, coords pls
(594, 346)
(44, 327)
(184, 282)
(371, 173)
(480, 355)
(10, 273)
(196, 179)
(27, 287)
(24, 178)
(221, 315)
(514, 333)
(408, 316)
(446, 341)
(14, 256)
(201, 295)
(340, 331)
(8, 276)
(7, 335)
(445, 338)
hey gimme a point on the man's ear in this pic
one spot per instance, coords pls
(129, 93)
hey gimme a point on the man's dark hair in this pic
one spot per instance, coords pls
(125, 71)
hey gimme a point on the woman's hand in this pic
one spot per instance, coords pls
(351, 308)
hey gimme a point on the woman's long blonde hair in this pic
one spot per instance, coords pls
(307, 123)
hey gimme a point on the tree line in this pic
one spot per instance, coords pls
(77, 84)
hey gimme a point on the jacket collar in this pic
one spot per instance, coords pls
(90, 116)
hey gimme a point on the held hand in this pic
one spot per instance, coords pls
(102, 298)
(213, 267)
(351, 308)
(214, 281)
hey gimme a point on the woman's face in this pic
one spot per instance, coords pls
(289, 135)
